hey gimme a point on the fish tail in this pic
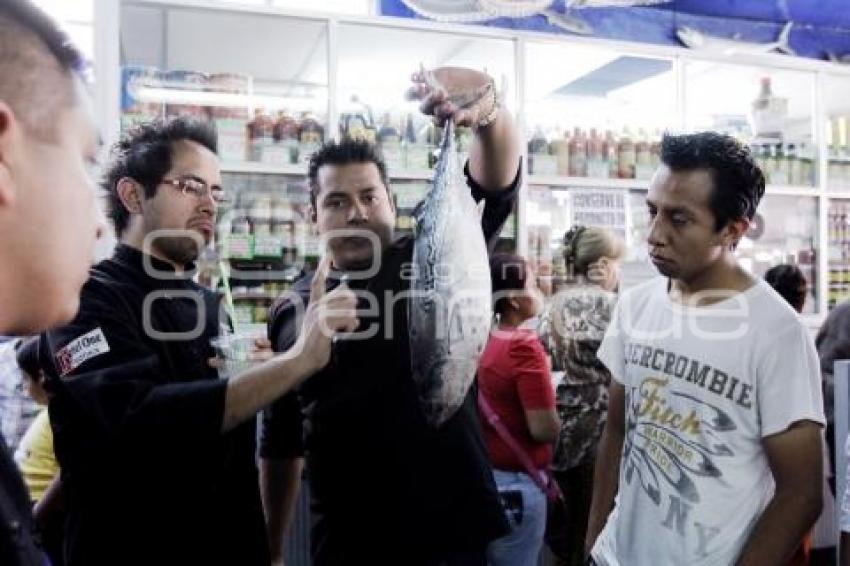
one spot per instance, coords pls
(783, 43)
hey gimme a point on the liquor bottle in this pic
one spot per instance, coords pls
(409, 131)
(597, 166)
(387, 133)
(609, 150)
(561, 149)
(769, 112)
(626, 156)
(578, 154)
(643, 157)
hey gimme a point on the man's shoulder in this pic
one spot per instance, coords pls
(643, 294)
(772, 310)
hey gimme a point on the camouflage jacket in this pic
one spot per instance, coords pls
(571, 330)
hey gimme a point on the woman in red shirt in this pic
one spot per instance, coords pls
(514, 378)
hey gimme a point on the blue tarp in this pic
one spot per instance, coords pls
(820, 26)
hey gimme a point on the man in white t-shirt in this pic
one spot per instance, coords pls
(711, 453)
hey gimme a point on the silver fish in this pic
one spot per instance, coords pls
(611, 3)
(450, 11)
(567, 22)
(697, 40)
(449, 311)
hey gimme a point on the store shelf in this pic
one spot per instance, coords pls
(640, 184)
(301, 170)
(792, 190)
(263, 168)
(587, 182)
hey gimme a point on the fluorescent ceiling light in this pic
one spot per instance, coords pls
(226, 99)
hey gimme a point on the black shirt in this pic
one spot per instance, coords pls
(384, 483)
(148, 476)
(17, 540)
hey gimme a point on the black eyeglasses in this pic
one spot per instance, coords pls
(197, 188)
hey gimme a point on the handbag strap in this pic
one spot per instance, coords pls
(540, 477)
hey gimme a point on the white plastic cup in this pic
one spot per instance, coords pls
(234, 350)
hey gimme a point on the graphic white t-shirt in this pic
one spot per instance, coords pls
(703, 387)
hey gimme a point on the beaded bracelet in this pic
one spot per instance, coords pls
(490, 117)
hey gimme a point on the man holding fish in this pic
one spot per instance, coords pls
(398, 472)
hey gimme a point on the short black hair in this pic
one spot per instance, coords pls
(789, 282)
(37, 61)
(738, 180)
(145, 155)
(508, 272)
(26, 355)
(348, 150)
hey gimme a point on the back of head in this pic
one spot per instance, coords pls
(508, 272)
(26, 355)
(789, 282)
(145, 155)
(37, 62)
(585, 245)
(738, 181)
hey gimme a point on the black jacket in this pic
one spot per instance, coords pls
(386, 487)
(18, 546)
(149, 478)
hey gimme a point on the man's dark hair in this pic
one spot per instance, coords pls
(508, 272)
(26, 355)
(145, 155)
(789, 282)
(738, 180)
(348, 150)
(37, 61)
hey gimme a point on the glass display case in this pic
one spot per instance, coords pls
(837, 121)
(376, 109)
(267, 109)
(280, 82)
(270, 113)
(600, 116)
(770, 109)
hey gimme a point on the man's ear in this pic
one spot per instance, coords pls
(130, 193)
(9, 136)
(733, 232)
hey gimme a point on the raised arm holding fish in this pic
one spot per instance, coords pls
(398, 472)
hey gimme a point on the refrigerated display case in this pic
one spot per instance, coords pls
(591, 112)
(772, 110)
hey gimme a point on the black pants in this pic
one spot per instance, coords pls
(565, 530)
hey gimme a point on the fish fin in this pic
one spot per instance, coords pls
(783, 43)
(479, 209)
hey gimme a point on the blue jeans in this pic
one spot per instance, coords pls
(525, 507)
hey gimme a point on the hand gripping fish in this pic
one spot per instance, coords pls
(449, 311)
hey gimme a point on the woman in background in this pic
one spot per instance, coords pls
(35, 456)
(514, 380)
(576, 321)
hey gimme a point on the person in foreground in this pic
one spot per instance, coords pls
(386, 487)
(711, 453)
(157, 454)
(48, 216)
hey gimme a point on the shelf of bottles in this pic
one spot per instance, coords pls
(785, 230)
(593, 133)
(838, 238)
(269, 119)
(770, 110)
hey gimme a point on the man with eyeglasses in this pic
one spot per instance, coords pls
(157, 453)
